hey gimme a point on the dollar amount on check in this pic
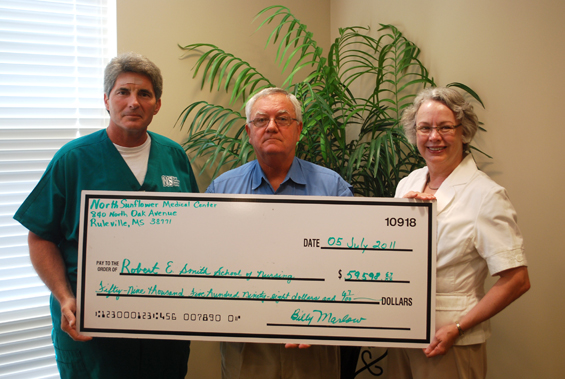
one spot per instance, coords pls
(318, 270)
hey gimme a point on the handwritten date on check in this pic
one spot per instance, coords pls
(275, 269)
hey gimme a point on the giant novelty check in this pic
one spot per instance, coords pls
(276, 269)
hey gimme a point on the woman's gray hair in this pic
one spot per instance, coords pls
(273, 91)
(132, 62)
(451, 98)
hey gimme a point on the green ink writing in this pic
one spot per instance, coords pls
(319, 316)
(175, 204)
(139, 269)
(153, 290)
(263, 274)
(189, 271)
(225, 272)
(113, 289)
(137, 204)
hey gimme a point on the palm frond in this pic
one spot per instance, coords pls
(359, 137)
(223, 67)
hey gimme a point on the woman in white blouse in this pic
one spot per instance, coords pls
(477, 232)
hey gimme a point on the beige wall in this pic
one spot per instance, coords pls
(154, 28)
(511, 52)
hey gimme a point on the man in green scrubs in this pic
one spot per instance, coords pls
(123, 157)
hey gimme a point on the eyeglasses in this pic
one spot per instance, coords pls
(444, 130)
(281, 121)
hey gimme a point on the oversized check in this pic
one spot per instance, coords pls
(277, 269)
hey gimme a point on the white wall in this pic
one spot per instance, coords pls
(511, 52)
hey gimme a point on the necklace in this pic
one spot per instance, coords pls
(430, 187)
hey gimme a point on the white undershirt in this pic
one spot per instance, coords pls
(137, 158)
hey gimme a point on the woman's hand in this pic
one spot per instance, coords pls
(512, 284)
(419, 195)
(443, 340)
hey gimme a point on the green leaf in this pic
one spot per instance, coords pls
(355, 133)
(468, 90)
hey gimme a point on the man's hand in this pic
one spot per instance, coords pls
(68, 321)
(49, 265)
(296, 345)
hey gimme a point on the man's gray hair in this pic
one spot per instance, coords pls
(451, 98)
(273, 91)
(136, 63)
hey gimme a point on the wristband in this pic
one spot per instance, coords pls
(461, 332)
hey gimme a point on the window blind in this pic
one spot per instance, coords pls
(52, 58)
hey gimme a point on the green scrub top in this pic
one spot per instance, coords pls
(52, 211)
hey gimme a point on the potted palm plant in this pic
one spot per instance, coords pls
(357, 136)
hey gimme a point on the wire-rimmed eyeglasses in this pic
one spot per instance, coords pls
(443, 129)
(281, 121)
